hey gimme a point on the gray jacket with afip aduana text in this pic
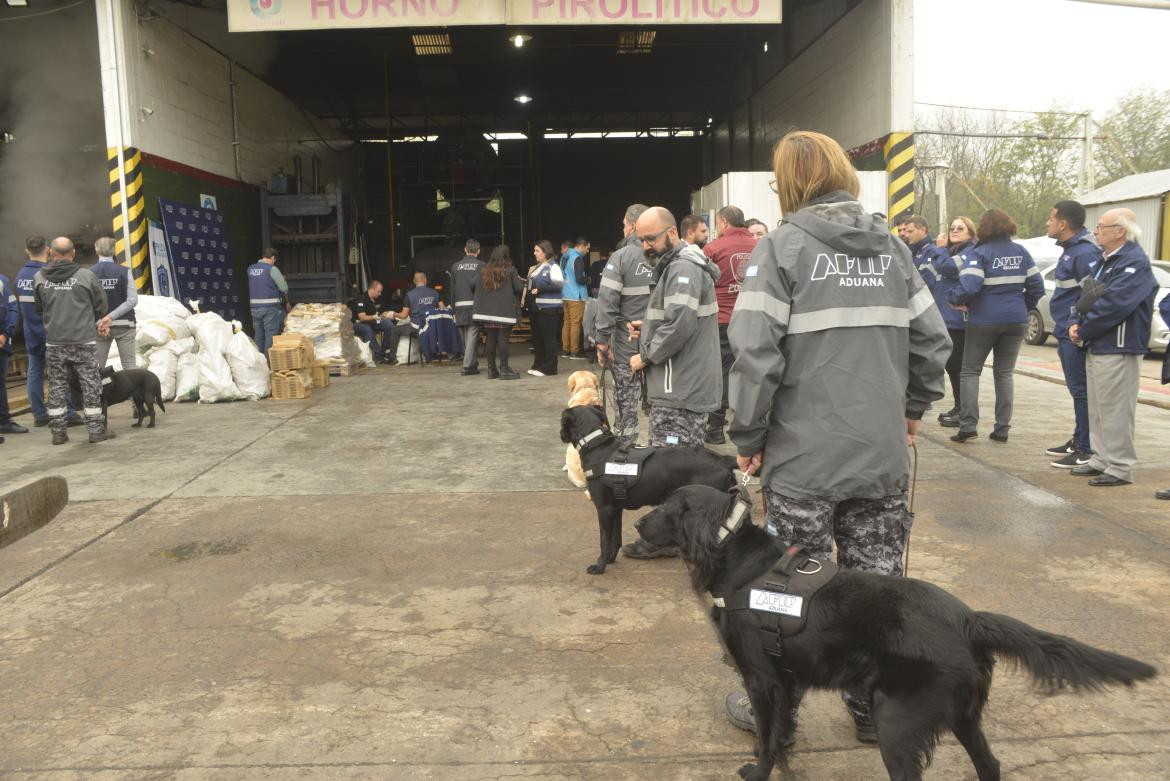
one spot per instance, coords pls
(837, 341)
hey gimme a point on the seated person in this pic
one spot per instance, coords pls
(420, 302)
(367, 320)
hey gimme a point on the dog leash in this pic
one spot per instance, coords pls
(913, 487)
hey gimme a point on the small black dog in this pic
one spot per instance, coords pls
(926, 657)
(668, 469)
(141, 385)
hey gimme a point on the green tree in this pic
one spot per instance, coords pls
(1137, 128)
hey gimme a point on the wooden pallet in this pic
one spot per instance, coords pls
(345, 369)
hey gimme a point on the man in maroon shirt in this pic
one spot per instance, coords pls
(731, 251)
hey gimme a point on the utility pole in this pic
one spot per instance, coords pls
(1088, 175)
(940, 189)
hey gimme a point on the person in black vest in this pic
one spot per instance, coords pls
(266, 287)
(495, 296)
(121, 298)
(545, 282)
(464, 274)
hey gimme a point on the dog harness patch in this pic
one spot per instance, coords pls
(628, 470)
(107, 380)
(775, 602)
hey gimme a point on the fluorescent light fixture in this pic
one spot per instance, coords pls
(21, 3)
(636, 41)
(522, 99)
(519, 40)
(765, 47)
(431, 43)
(709, 120)
(508, 136)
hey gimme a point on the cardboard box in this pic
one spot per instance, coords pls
(292, 384)
(321, 375)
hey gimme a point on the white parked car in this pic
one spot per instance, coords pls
(1040, 322)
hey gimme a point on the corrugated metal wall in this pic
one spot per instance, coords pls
(1149, 217)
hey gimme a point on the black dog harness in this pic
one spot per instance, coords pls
(623, 469)
(781, 597)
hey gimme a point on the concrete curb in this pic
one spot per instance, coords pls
(1142, 399)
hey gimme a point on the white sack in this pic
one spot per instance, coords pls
(367, 355)
(165, 365)
(215, 378)
(150, 307)
(157, 331)
(211, 331)
(187, 379)
(181, 346)
(249, 368)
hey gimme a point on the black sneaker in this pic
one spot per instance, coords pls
(39, 422)
(998, 436)
(102, 437)
(1072, 460)
(75, 420)
(963, 436)
(949, 419)
(953, 412)
(715, 436)
(1061, 450)
(467, 372)
(644, 550)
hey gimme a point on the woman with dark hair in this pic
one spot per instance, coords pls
(959, 238)
(495, 291)
(998, 284)
(545, 281)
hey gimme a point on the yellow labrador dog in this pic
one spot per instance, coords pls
(586, 396)
(580, 380)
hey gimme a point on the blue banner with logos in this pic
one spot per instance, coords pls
(201, 257)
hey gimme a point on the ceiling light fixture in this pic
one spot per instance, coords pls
(431, 43)
(765, 47)
(21, 3)
(522, 99)
(636, 41)
(520, 39)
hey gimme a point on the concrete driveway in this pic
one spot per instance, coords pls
(387, 581)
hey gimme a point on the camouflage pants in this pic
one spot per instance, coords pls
(870, 535)
(80, 359)
(670, 426)
(627, 389)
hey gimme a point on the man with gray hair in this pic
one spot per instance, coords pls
(1115, 328)
(72, 303)
(621, 299)
(121, 298)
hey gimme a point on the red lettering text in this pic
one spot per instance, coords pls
(322, 5)
(360, 12)
(419, 6)
(753, 7)
(620, 11)
(711, 11)
(634, 11)
(378, 6)
(537, 5)
(449, 12)
(582, 6)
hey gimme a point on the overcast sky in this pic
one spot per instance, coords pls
(1032, 54)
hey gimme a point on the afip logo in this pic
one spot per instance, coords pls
(265, 8)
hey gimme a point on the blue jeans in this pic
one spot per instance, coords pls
(367, 331)
(1072, 361)
(265, 325)
(4, 416)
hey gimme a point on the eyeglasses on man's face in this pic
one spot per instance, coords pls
(654, 237)
(1111, 225)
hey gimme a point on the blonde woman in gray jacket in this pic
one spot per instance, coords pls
(839, 349)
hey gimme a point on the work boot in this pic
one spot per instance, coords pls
(998, 435)
(715, 436)
(506, 373)
(469, 372)
(739, 713)
(640, 549)
(493, 373)
(60, 437)
(963, 436)
(102, 437)
(949, 419)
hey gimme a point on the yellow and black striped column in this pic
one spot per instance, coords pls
(900, 168)
(135, 231)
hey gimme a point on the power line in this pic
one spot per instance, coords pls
(44, 13)
(1000, 110)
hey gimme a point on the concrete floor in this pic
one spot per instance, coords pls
(386, 581)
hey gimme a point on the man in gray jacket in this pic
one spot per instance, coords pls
(621, 299)
(839, 349)
(73, 304)
(678, 346)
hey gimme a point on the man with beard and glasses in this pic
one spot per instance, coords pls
(678, 343)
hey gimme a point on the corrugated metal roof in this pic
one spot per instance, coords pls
(1129, 188)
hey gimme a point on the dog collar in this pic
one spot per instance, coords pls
(731, 525)
(592, 435)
